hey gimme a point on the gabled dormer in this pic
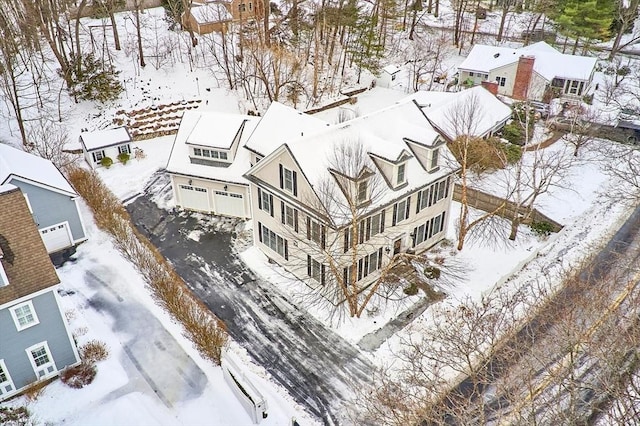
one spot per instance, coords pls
(212, 145)
(394, 172)
(356, 188)
(428, 155)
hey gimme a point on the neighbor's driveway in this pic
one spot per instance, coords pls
(316, 366)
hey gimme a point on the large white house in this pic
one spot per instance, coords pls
(331, 201)
(534, 72)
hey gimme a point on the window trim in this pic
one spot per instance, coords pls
(16, 321)
(126, 150)
(362, 191)
(401, 167)
(4, 279)
(396, 210)
(8, 381)
(96, 154)
(44, 366)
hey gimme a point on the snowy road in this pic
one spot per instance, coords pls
(316, 366)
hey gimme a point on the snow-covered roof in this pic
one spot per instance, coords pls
(15, 163)
(280, 124)
(391, 69)
(179, 161)
(104, 138)
(549, 63)
(382, 134)
(210, 13)
(440, 109)
(216, 130)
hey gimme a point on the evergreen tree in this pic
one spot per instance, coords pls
(589, 20)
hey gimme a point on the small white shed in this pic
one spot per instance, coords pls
(105, 143)
(389, 76)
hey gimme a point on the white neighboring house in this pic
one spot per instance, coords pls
(389, 76)
(105, 143)
(535, 72)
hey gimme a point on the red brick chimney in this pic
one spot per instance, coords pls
(491, 86)
(523, 77)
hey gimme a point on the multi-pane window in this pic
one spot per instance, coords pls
(435, 156)
(371, 226)
(365, 266)
(3, 374)
(124, 149)
(316, 232)
(209, 153)
(40, 356)
(401, 210)
(400, 174)
(98, 156)
(274, 241)
(362, 191)
(24, 315)
(288, 180)
(427, 230)
(265, 201)
(501, 81)
(315, 270)
(431, 195)
(6, 384)
(289, 216)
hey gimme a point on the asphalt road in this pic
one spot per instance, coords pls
(316, 366)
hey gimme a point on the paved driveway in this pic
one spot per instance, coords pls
(316, 366)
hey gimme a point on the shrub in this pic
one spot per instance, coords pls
(411, 290)
(106, 162)
(94, 351)
(541, 228)
(79, 376)
(432, 272)
(97, 81)
(513, 132)
(481, 154)
(512, 153)
(33, 391)
(15, 416)
(123, 157)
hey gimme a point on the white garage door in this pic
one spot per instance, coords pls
(56, 237)
(194, 198)
(229, 204)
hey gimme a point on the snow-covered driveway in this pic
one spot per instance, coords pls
(315, 365)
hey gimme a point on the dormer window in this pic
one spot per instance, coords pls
(363, 191)
(435, 157)
(400, 174)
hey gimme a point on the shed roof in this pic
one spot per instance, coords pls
(104, 138)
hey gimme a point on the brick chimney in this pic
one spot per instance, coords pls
(523, 77)
(491, 86)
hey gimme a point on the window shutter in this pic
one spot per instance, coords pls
(271, 204)
(361, 226)
(442, 221)
(395, 214)
(368, 232)
(260, 231)
(295, 220)
(259, 198)
(379, 258)
(413, 237)
(308, 228)
(295, 184)
(408, 208)
(322, 274)
(345, 276)
(286, 250)
(281, 177)
(382, 221)
(418, 201)
(347, 231)
(308, 265)
(282, 212)
(446, 190)
(323, 236)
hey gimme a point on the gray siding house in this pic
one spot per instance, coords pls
(35, 342)
(50, 198)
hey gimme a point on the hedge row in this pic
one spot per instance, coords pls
(206, 331)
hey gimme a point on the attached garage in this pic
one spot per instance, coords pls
(194, 198)
(56, 237)
(229, 203)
